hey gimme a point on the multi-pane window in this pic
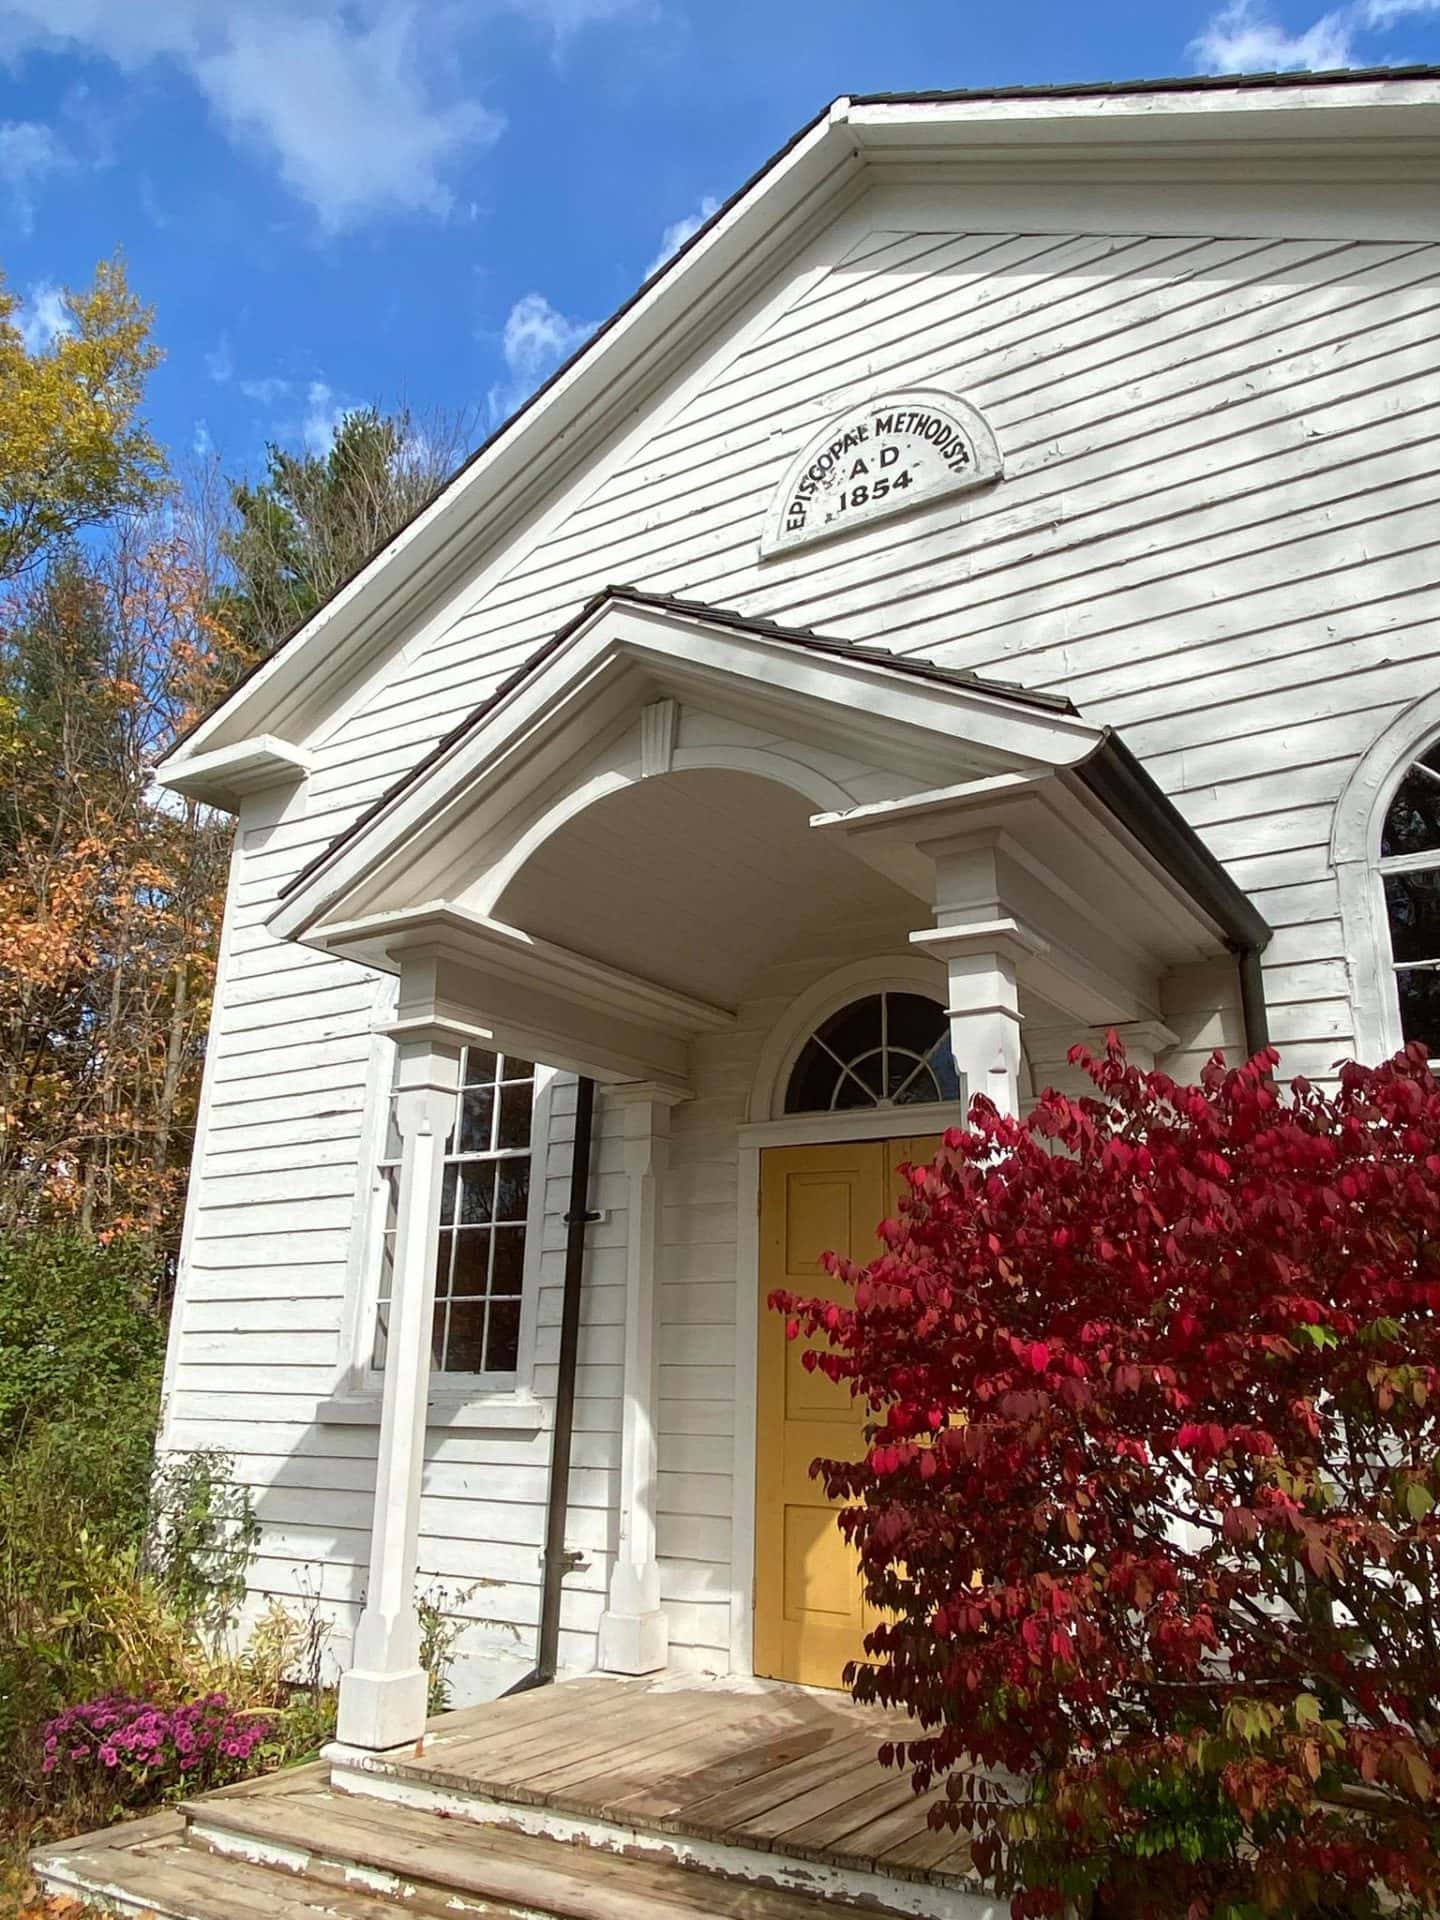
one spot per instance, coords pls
(485, 1196)
(1410, 868)
(887, 1050)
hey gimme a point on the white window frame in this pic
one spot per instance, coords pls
(1360, 875)
(456, 1399)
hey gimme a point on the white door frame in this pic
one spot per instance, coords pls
(798, 1130)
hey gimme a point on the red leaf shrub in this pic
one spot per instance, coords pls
(1150, 1499)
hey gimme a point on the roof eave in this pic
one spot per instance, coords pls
(734, 247)
(517, 458)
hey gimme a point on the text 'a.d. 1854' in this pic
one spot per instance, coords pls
(880, 459)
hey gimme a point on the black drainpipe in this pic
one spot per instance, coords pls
(1121, 784)
(556, 1560)
(1252, 999)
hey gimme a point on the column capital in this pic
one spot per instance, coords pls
(646, 1093)
(436, 1033)
(1008, 938)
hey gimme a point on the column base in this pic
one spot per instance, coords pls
(634, 1642)
(379, 1710)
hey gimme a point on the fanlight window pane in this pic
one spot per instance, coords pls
(1413, 823)
(885, 1050)
(485, 1192)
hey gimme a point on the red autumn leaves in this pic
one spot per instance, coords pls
(1150, 1504)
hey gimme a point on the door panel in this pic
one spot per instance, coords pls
(810, 1614)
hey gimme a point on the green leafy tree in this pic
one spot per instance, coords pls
(314, 520)
(73, 448)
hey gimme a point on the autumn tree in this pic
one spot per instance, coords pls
(74, 450)
(1149, 1506)
(109, 892)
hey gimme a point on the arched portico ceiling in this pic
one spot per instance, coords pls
(924, 724)
(669, 796)
(701, 880)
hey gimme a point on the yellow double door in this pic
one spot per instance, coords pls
(810, 1612)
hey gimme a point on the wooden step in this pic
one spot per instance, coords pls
(134, 1870)
(406, 1852)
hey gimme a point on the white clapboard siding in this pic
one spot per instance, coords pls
(1215, 532)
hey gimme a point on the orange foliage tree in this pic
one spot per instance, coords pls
(110, 890)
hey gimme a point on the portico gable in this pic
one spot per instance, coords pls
(595, 864)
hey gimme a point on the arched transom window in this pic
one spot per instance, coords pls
(885, 1050)
(1410, 869)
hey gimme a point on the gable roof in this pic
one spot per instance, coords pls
(909, 665)
(589, 392)
(1094, 756)
(1180, 83)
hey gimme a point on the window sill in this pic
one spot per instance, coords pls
(508, 1412)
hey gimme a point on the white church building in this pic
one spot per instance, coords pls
(984, 590)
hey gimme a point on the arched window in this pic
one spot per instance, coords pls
(885, 1050)
(1410, 872)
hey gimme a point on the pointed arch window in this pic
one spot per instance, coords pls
(1410, 875)
(884, 1050)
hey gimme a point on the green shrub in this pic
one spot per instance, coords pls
(78, 1322)
(203, 1532)
(81, 1355)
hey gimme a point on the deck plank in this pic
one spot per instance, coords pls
(652, 1727)
(565, 1724)
(670, 1796)
(897, 1814)
(709, 1735)
(942, 1849)
(528, 1716)
(746, 1807)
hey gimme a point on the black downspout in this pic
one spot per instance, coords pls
(1252, 1000)
(556, 1561)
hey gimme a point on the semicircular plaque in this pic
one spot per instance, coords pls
(883, 457)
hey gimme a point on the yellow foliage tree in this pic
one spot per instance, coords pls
(73, 449)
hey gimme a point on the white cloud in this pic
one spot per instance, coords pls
(202, 445)
(44, 317)
(267, 391)
(353, 121)
(355, 104)
(537, 338)
(29, 154)
(359, 104)
(1243, 39)
(324, 417)
(679, 231)
(220, 361)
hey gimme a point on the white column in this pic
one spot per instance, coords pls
(382, 1696)
(983, 1002)
(634, 1635)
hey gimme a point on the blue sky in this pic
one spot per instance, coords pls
(335, 201)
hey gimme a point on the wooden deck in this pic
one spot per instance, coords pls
(752, 1766)
(594, 1799)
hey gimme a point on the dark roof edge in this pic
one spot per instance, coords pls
(1120, 783)
(1191, 83)
(911, 664)
(688, 609)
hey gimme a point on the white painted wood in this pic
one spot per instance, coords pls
(634, 1629)
(383, 1691)
(1214, 391)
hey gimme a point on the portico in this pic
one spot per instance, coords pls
(594, 870)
